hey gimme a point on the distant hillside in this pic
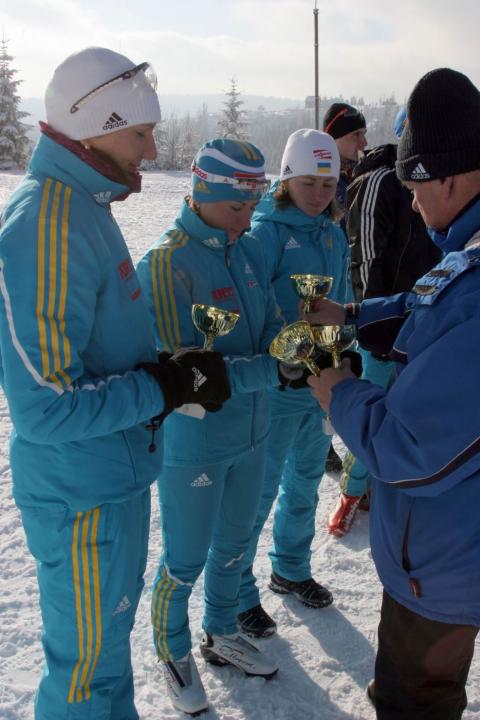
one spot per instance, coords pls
(179, 104)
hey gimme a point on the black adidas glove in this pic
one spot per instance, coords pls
(190, 375)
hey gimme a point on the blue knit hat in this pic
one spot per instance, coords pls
(226, 169)
(399, 122)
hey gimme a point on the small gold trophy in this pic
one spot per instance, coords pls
(334, 339)
(213, 322)
(310, 287)
(294, 345)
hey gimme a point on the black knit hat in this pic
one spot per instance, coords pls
(341, 119)
(442, 131)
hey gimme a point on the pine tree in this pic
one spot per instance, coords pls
(231, 124)
(14, 143)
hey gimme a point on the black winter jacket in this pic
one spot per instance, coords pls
(390, 246)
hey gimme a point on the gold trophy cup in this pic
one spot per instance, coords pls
(213, 322)
(294, 345)
(334, 339)
(310, 287)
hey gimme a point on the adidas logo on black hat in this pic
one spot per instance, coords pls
(420, 173)
(114, 122)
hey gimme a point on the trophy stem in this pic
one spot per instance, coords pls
(312, 366)
(306, 305)
(208, 342)
(336, 359)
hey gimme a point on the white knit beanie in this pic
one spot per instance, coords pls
(310, 152)
(128, 102)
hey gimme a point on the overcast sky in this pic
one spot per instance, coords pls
(366, 47)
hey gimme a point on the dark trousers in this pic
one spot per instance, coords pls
(421, 666)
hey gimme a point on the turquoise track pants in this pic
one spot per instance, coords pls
(90, 568)
(208, 514)
(296, 452)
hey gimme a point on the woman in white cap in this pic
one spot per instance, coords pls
(213, 468)
(74, 331)
(296, 224)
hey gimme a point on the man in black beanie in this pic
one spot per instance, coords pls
(347, 126)
(420, 437)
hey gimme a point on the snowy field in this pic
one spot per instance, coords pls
(326, 656)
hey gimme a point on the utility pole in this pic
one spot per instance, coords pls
(317, 99)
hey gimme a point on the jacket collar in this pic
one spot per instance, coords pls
(197, 229)
(460, 230)
(60, 157)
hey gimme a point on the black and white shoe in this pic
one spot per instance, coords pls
(235, 650)
(256, 623)
(309, 592)
(184, 685)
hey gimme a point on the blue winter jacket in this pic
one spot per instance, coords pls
(193, 263)
(421, 438)
(73, 326)
(295, 243)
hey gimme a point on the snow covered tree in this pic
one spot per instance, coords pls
(232, 124)
(14, 143)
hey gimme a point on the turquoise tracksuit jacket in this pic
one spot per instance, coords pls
(295, 243)
(193, 263)
(73, 326)
(420, 439)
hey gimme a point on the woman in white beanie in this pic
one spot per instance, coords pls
(296, 223)
(74, 332)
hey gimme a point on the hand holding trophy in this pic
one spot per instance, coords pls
(294, 345)
(211, 322)
(334, 339)
(310, 287)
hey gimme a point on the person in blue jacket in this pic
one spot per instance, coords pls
(390, 249)
(210, 483)
(296, 225)
(420, 437)
(73, 330)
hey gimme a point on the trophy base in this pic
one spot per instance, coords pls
(327, 426)
(192, 410)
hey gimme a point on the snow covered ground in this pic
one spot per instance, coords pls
(326, 656)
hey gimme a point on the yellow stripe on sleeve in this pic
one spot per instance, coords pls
(42, 330)
(168, 293)
(67, 354)
(155, 270)
(52, 277)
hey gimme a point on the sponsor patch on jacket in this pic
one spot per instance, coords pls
(222, 293)
(129, 276)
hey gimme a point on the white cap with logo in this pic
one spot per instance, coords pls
(97, 91)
